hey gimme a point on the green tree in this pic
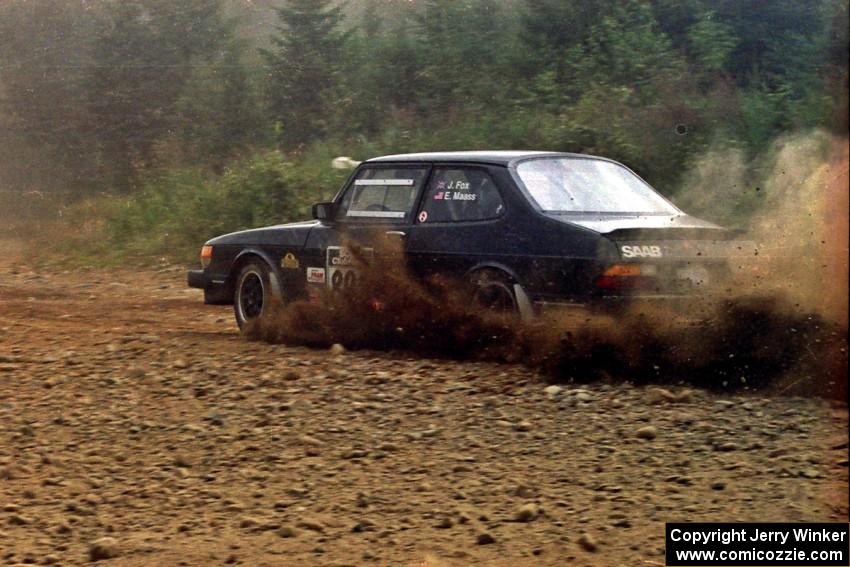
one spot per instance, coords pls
(629, 94)
(463, 47)
(45, 126)
(676, 18)
(304, 68)
(379, 76)
(836, 83)
(358, 90)
(711, 43)
(218, 112)
(625, 50)
(550, 27)
(143, 55)
(398, 58)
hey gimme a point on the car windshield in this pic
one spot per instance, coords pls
(582, 185)
(382, 193)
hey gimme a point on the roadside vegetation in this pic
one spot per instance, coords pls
(151, 125)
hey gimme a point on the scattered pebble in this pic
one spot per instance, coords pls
(104, 548)
(553, 391)
(444, 524)
(588, 542)
(286, 532)
(526, 513)
(646, 432)
(660, 395)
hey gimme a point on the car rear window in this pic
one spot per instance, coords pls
(583, 185)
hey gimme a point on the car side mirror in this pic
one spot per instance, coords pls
(324, 211)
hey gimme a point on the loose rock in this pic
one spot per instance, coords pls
(588, 542)
(286, 532)
(526, 513)
(553, 391)
(660, 395)
(444, 524)
(104, 548)
(647, 432)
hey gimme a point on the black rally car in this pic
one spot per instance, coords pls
(524, 229)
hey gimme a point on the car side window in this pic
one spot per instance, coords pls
(381, 194)
(460, 194)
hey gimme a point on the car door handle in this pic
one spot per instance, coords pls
(398, 233)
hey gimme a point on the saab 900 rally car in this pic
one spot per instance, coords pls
(524, 229)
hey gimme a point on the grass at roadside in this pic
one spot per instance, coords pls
(175, 212)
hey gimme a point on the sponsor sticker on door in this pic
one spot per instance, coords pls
(315, 275)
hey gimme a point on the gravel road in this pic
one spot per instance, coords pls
(138, 428)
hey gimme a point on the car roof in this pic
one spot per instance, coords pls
(498, 157)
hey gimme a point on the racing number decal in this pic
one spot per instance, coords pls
(340, 268)
(342, 278)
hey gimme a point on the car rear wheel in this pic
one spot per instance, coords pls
(252, 294)
(493, 291)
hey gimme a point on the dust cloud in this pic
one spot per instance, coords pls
(793, 202)
(781, 324)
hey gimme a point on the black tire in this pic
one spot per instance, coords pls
(252, 293)
(493, 290)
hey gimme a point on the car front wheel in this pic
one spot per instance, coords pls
(252, 294)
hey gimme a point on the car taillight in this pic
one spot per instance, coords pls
(206, 255)
(626, 276)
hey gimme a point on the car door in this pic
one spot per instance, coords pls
(459, 222)
(377, 203)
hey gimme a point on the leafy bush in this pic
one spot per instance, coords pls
(177, 211)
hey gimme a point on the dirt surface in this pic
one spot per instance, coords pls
(132, 412)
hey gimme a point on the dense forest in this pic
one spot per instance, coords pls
(171, 106)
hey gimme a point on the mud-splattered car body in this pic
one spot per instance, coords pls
(525, 229)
